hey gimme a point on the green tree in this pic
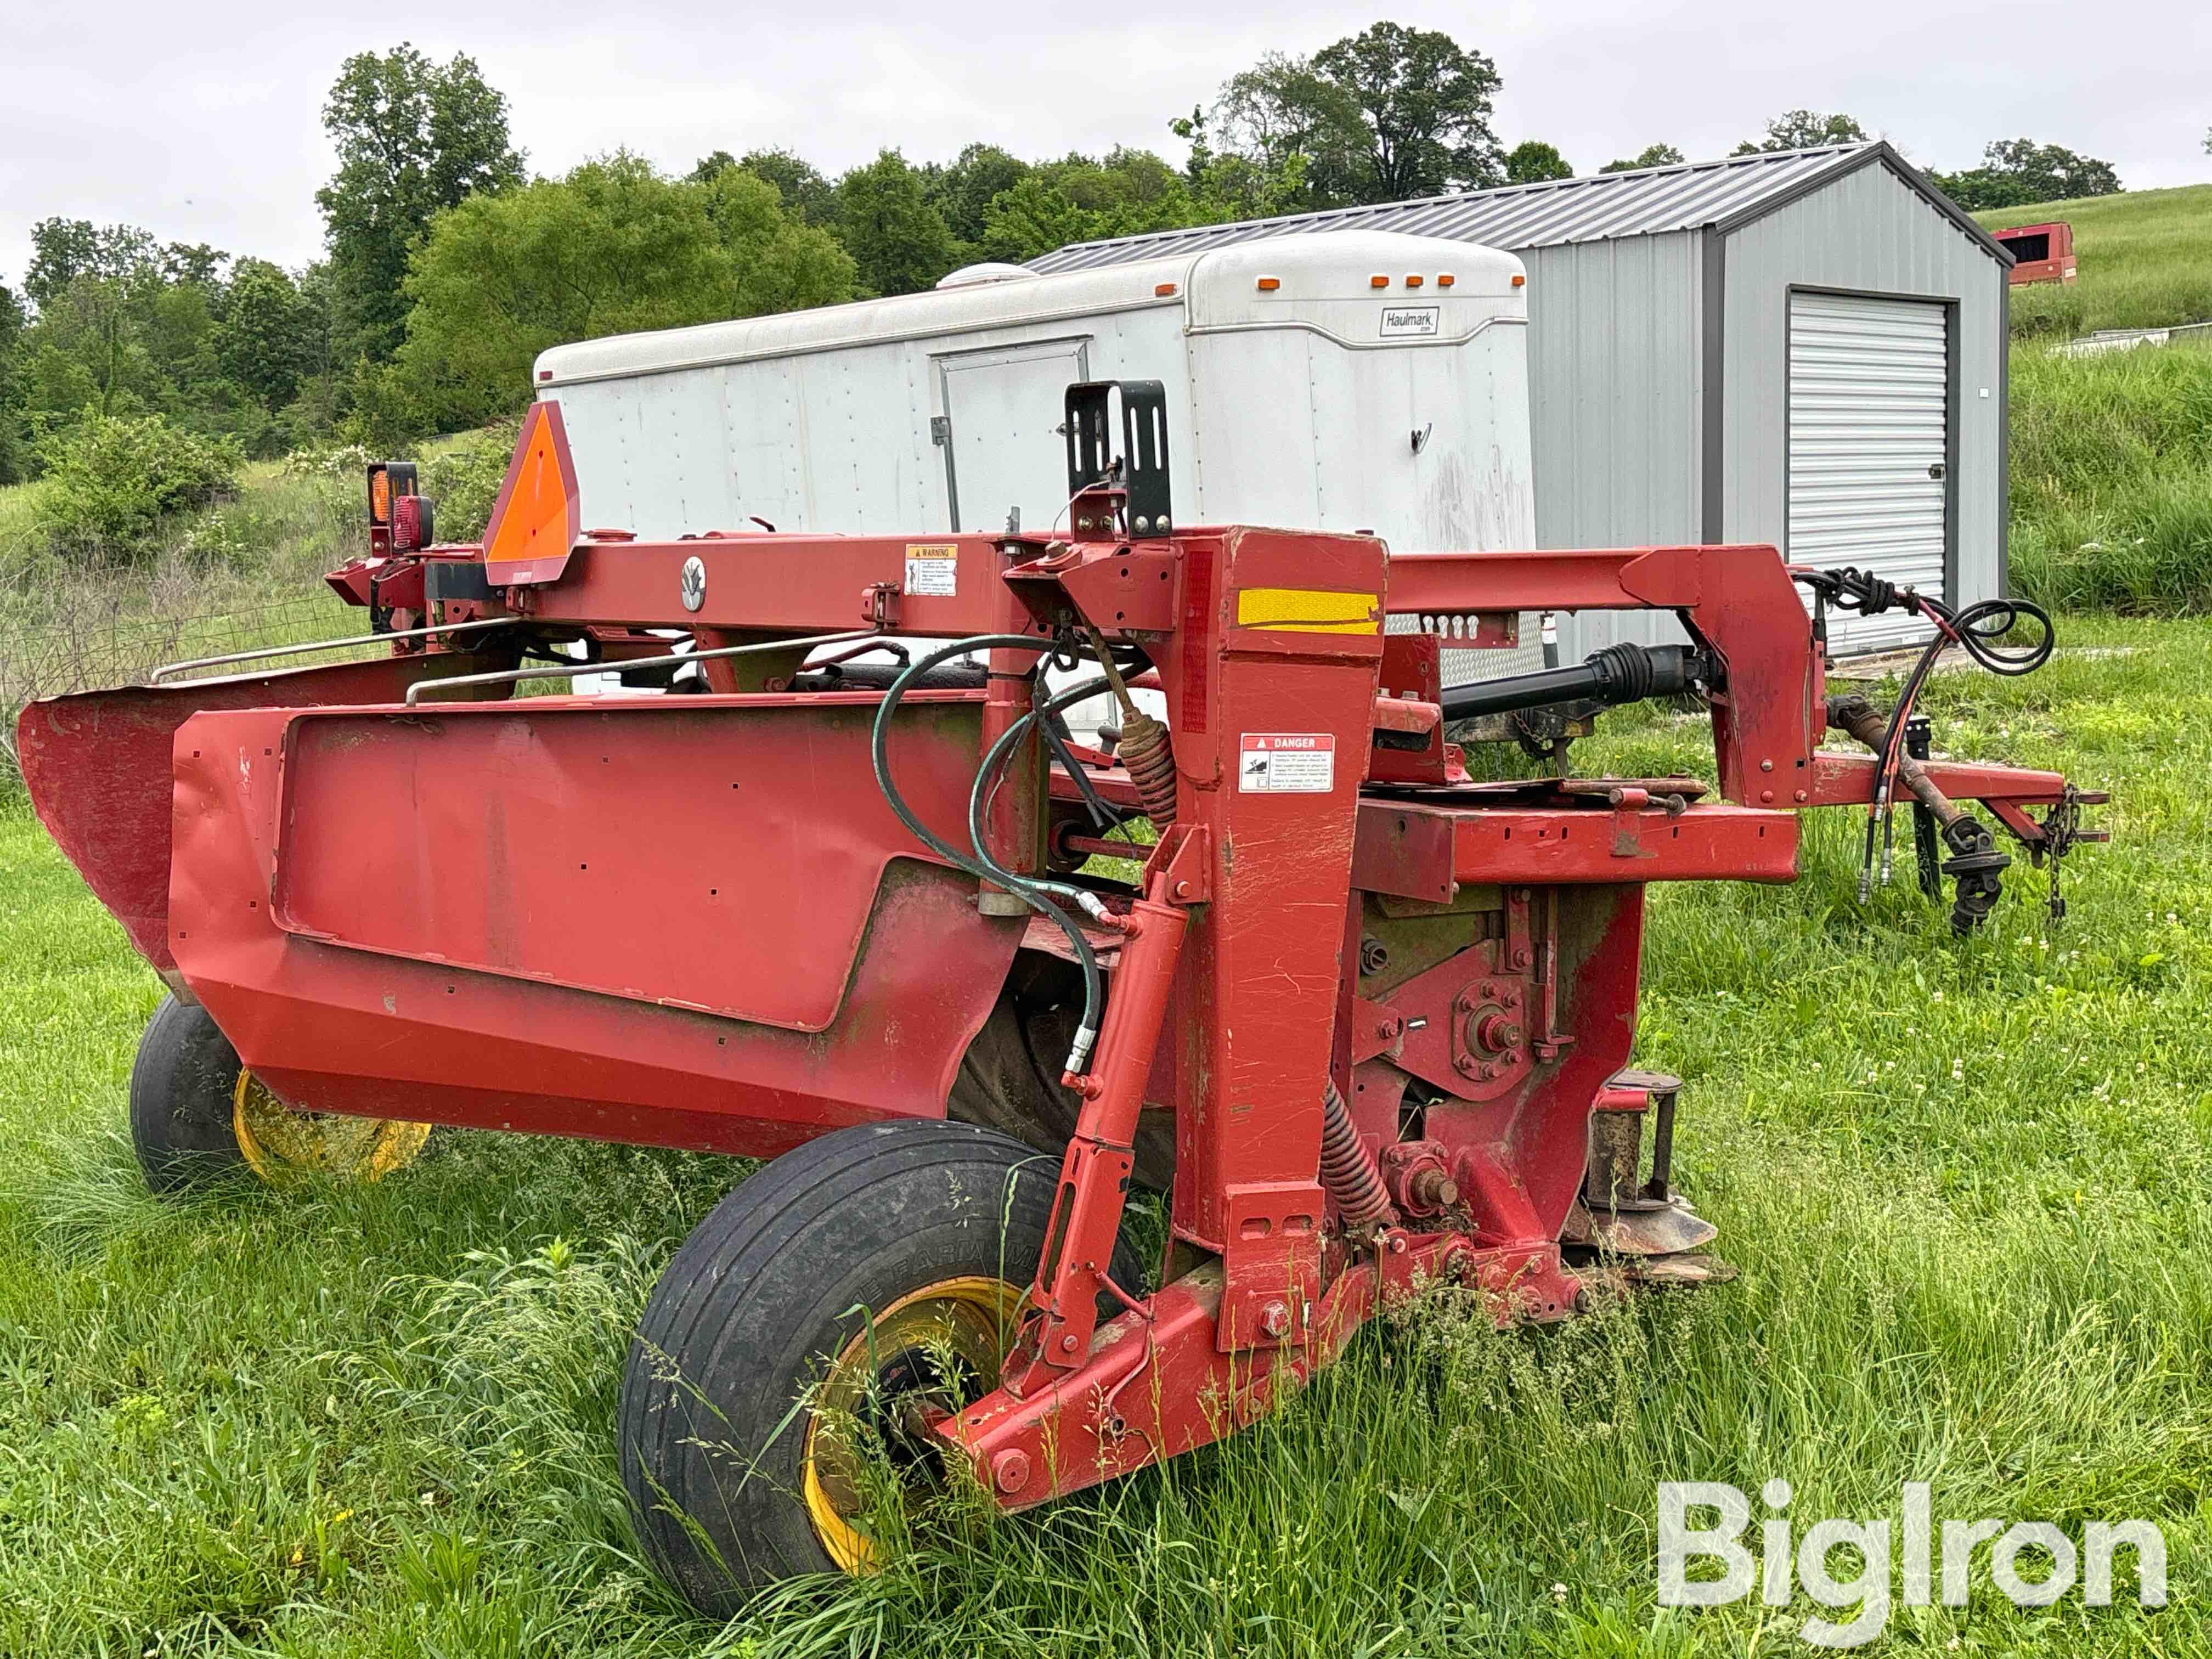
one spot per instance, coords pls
(62, 249)
(1080, 198)
(962, 193)
(2015, 172)
(1804, 129)
(612, 248)
(1226, 184)
(1531, 161)
(897, 239)
(12, 321)
(194, 265)
(413, 137)
(1653, 155)
(87, 350)
(1380, 116)
(805, 193)
(266, 340)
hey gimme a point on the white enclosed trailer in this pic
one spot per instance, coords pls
(1358, 380)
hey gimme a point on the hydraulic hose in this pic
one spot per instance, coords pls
(1032, 894)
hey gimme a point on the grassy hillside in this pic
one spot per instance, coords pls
(2145, 259)
(2112, 455)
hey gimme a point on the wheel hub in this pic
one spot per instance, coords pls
(276, 1140)
(930, 1354)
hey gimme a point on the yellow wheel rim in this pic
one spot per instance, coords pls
(895, 1364)
(277, 1141)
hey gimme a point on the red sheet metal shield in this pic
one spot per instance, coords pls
(97, 764)
(689, 921)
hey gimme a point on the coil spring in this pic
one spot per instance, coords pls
(1150, 760)
(1346, 1170)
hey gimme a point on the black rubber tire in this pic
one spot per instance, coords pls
(183, 1086)
(755, 1303)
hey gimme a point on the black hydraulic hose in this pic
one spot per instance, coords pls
(1094, 985)
(979, 795)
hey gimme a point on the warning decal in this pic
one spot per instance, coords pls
(1286, 763)
(933, 570)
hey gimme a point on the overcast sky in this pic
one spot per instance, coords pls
(200, 122)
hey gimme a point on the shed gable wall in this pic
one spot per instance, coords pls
(1867, 232)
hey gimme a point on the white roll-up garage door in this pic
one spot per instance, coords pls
(1869, 449)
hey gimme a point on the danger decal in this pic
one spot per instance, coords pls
(1286, 763)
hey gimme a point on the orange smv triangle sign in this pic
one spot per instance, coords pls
(534, 523)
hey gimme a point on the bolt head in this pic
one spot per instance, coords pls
(1067, 1343)
(1489, 990)
(1766, 766)
(1275, 1320)
(1488, 1072)
(1010, 1471)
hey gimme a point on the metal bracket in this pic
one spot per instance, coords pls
(879, 605)
(1143, 462)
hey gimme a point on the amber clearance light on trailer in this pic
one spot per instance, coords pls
(1269, 284)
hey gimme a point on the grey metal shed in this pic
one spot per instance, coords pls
(1805, 348)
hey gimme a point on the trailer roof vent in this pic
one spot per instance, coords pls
(991, 271)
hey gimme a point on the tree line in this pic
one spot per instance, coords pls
(448, 265)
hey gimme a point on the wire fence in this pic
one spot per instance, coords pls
(84, 642)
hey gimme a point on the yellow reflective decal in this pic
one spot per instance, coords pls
(1307, 611)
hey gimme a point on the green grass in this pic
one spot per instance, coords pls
(1967, 1184)
(2145, 260)
(2111, 478)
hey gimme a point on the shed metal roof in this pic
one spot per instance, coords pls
(1693, 196)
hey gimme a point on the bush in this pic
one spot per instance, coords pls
(462, 482)
(114, 485)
